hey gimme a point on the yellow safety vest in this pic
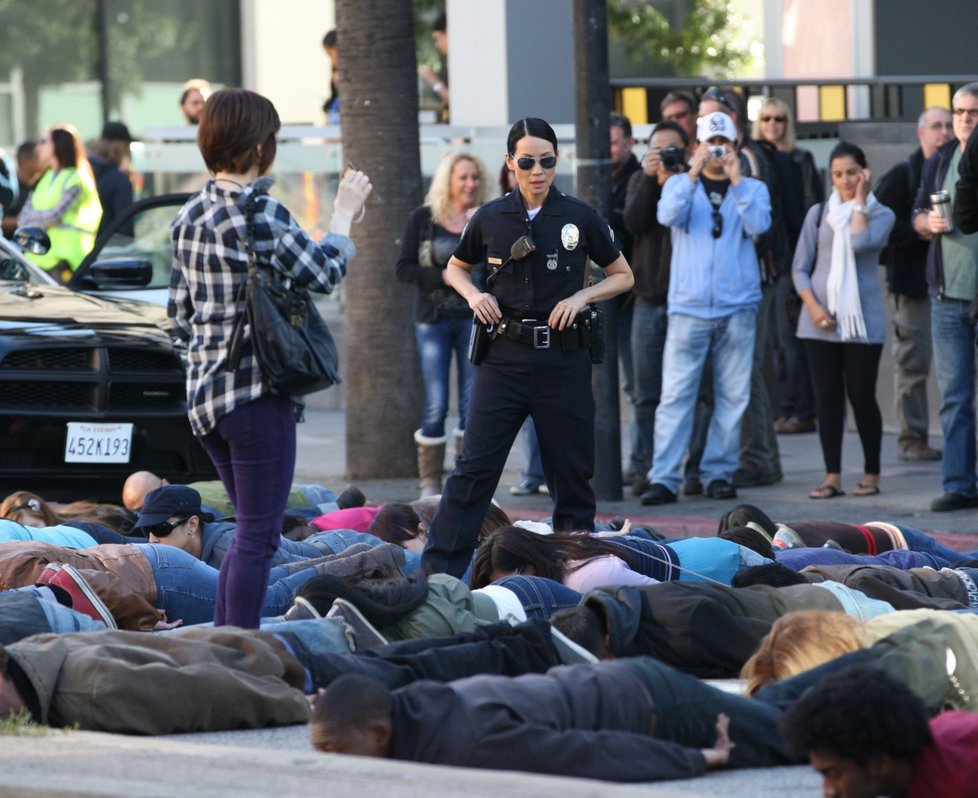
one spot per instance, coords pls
(73, 236)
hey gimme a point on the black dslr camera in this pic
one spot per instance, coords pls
(673, 158)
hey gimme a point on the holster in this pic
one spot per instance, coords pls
(592, 335)
(479, 342)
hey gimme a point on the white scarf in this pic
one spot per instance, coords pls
(842, 287)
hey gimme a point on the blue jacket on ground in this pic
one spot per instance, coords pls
(711, 278)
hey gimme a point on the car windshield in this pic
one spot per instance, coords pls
(147, 239)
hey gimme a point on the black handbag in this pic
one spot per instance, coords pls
(293, 347)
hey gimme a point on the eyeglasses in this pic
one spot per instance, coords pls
(546, 162)
(781, 119)
(164, 528)
(678, 115)
(939, 126)
(971, 113)
(717, 224)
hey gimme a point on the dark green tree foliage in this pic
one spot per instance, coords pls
(695, 38)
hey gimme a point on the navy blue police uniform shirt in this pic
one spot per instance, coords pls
(566, 232)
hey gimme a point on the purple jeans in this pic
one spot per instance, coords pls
(253, 450)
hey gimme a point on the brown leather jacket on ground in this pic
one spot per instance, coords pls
(119, 573)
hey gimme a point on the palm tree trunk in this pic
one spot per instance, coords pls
(379, 120)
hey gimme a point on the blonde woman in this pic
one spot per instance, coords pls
(775, 125)
(444, 320)
(806, 639)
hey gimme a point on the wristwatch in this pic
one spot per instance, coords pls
(860, 208)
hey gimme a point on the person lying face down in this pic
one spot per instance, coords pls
(586, 720)
(868, 735)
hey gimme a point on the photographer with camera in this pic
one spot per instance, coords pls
(651, 251)
(538, 360)
(714, 291)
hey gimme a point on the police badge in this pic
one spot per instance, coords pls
(552, 261)
(570, 236)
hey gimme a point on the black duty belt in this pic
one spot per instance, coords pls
(536, 333)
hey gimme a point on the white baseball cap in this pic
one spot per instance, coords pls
(716, 124)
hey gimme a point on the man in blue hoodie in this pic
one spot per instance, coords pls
(714, 214)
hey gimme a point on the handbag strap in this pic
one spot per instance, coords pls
(236, 342)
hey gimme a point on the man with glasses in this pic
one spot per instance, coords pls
(680, 107)
(952, 277)
(714, 291)
(905, 258)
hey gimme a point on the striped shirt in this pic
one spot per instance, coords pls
(210, 266)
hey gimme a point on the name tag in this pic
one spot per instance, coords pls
(494, 261)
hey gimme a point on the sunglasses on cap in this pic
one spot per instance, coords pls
(164, 528)
(526, 163)
(720, 96)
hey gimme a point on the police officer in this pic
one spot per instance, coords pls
(538, 362)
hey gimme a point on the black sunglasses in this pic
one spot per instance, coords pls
(717, 224)
(546, 162)
(164, 528)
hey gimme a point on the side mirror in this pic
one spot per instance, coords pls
(34, 240)
(118, 273)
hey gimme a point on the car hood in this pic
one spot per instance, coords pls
(56, 311)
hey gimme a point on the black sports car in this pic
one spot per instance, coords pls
(91, 388)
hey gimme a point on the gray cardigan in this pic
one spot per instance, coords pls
(809, 272)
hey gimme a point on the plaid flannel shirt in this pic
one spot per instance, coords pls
(210, 265)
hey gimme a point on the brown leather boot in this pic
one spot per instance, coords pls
(431, 463)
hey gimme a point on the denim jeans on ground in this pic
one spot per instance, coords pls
(312, 642)
(337, 540)
(688, 342)
(438, 341)
(686, 712)
(953, 333)
(253, 451)
(61, 619)
(648, 343)
(320, 497)
(921, 541)
(540, 597)
(533, 470)
(186, 588)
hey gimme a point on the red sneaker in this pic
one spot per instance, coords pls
(83, 598)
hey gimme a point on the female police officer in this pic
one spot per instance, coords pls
(538, 362)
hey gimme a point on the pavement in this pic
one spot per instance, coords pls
(281, 761)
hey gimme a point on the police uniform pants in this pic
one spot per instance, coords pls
(552, 386)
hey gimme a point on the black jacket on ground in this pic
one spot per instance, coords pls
(589, 721)
(704, 629)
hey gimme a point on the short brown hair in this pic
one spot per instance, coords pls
(237, 130)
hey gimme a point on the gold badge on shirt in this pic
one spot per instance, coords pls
(570, 236)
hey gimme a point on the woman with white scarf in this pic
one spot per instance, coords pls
(836, 274)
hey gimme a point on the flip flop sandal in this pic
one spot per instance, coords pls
(862, 489)
(826, 492)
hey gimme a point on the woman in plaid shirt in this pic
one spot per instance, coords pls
(247, 429)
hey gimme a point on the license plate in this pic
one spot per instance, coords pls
(98, 443)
